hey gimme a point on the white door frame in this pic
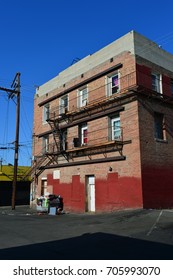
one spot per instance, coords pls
(90, 193)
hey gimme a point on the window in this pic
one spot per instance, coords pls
(45, 144)
(43, 186)
(82, 138)
(63, 140)
(113, 85)
(46, 111)
(158, 126)
(115, 128)
(63, 104)
(84, 134)
(172, 86)
(82, 97)
(156, 82)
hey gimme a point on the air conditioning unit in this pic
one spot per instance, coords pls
(76, 142)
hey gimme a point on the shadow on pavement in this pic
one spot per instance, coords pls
(97, 246)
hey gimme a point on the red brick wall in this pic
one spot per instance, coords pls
(157, 187)
(156, 156)
(118, 193)
(111, 193)
(73, 193)
(118, 189)
(144, 178)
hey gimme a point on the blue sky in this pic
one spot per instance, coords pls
(40, 38)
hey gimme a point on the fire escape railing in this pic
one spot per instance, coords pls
(68, 116)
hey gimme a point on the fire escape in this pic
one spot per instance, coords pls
(35, 170)
(60, 153)
(60, 122)
(61, 119)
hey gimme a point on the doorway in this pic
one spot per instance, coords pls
(43, 186)
(90, 193)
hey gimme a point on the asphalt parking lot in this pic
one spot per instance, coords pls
(124, 235)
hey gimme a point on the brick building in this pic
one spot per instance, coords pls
(103, 134)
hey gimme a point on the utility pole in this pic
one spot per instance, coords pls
(1, 160)
(16, 85)
(11, 93)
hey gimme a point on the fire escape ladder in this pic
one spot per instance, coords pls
(56, 137)
(56, 134)
(58, 147)
(35, 167)
(48, 160)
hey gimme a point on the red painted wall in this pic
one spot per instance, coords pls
(111, 194)
(118, 193)
(157, 187)
(73, 193)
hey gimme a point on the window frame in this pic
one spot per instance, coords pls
(63, 139)
(172, 87)
(159, 132)
(83, 137)
(82, 100)
(46, 112)
(63, 108)
(111, 131)
(115, 129)
(109, 83)
(45, 144)
(156, 83)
